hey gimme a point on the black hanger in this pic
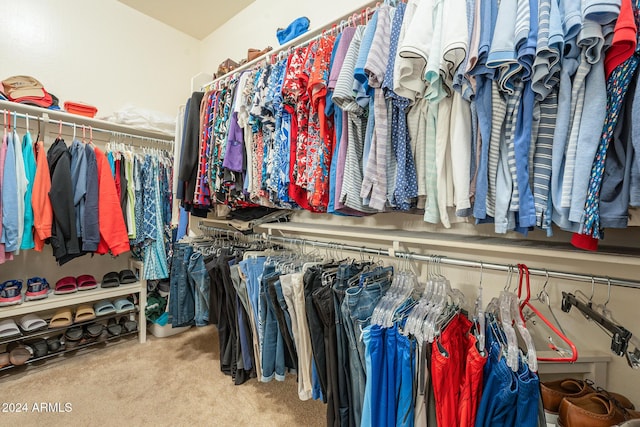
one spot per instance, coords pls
(620, 336)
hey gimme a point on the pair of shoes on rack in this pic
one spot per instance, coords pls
(85, 312)
(63, 317)
(80, 335)
(106, 307)
(572, 402)
(124, 325)
(11, 291)
(113, 279)
(70, 284)
(28, 323)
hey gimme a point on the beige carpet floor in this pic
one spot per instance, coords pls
(174, 381)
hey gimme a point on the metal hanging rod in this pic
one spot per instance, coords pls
(367, 8)
(457, 262)
(114, 133)
(226, 232)
(54, 117)
(464, 262)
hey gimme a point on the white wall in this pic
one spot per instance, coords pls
(256, 25)
(99, 52)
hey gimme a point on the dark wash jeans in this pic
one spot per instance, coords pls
(181, 304)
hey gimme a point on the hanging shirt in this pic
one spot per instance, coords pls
(320, 156)
(22, 183)
(113, 231)
(409, 82)
(374, 180)
(344, 97)
(90, 215)
(617, 84)
(483, 74)
(406, 182)
(340, 150)
(10, 221)
(3, 155)
(42, 211)
(79, 181)
(30, 173)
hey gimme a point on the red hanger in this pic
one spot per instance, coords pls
(524, 270)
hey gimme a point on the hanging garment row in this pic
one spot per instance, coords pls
(83, 200)
(379, 346)
(410, 110)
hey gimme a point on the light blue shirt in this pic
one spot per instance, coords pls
(10, 199)
(488, 16)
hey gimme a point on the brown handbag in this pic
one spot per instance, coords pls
(226, 66)
(255, 53)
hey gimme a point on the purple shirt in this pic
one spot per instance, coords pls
(338, 59)
(234, 153)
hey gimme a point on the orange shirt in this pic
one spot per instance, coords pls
(113, 230)
(42, 211)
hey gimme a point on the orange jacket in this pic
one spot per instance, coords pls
(42, 211)
(113, 230)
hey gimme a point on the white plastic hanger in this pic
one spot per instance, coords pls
(479, 317)
(506, 321)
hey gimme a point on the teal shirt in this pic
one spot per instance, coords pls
(30, 172)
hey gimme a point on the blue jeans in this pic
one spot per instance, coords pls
(252, 268)
(345, 397)
(357, 308)
(273, 364)
(181, 303)
(200, 287)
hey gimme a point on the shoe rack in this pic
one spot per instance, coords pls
(45, 308)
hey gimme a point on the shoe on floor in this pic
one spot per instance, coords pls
(554, 391)
(593, 410)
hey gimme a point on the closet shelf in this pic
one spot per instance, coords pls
(56, 115)
(54, 301)
(488, 245)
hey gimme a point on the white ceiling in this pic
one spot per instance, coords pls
(197, 18)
